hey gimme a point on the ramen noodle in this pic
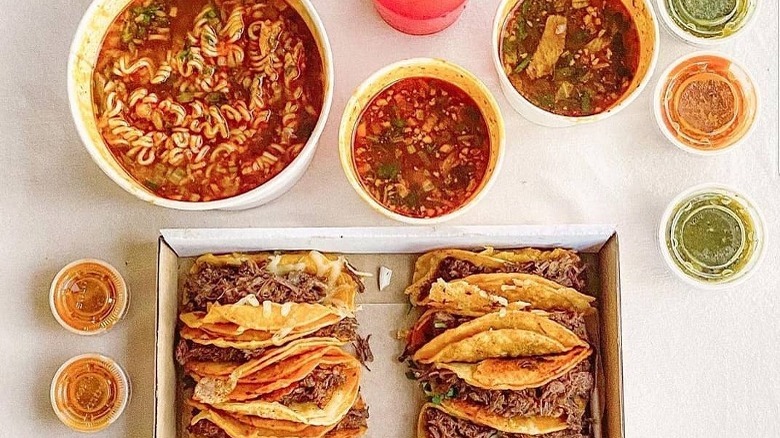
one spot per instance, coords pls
(203, 100)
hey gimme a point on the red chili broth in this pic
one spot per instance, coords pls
(274, 80)
(421, 147)
(582, 66)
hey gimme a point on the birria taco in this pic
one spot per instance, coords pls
(235, 305)
(301, 383)
(249, 324)
(439, 421)
(561, 266)
(484, 293)
(512, 350)
(208, 422)
(302, 277)
(516, 371)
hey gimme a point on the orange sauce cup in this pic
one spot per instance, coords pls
(706, 103)
(89, 392)
(88, 297)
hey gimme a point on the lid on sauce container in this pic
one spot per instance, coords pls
(712, 236)
(88, 297)
(89, 392)
(707, 22)
(706, 104)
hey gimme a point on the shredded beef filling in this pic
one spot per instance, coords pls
(188, 351)
(206, 429)
(573, 321)
(344, 330)
(559, 397)
(229, 284)
(441, 425)
(317, 387)
(567, 271)
(355, 419)
(363, 350)
(451, 268)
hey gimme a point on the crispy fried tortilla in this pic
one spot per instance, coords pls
(210, 422)
(315, 386)
(559, 265)
(518, 373)
(563, 400)
(483, 293)
(514, 334)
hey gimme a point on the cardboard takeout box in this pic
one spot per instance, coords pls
(393, 400)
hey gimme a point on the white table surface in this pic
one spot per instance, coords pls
(697, 364)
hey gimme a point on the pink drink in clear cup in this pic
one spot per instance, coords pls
(420, 17)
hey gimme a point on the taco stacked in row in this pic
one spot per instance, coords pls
(501, 349)
(260, 342)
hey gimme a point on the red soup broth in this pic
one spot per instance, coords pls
(573, 58)
(202, 100)
(421, 147)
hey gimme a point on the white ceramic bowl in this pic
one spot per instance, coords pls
(694, 40)
(747, 83)
(649, 43)
(422, 67)
(760, 236)
(81, 63)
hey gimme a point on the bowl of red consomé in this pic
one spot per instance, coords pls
(421, 140)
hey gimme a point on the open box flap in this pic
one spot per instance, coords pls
(191, 242)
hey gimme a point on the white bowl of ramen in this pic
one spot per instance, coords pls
(230, 122)
(552, 65)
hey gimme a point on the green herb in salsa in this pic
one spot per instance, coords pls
(710, 18)
(711, 237)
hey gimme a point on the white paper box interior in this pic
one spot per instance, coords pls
(393, 400)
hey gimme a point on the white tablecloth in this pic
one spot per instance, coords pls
(697, 364)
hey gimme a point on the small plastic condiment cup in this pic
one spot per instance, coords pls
(745, 80)
(87, 418)
(119, 306)
(649, 38)
(415, 17)
(759, 236)
(694, 40)
(433, 68)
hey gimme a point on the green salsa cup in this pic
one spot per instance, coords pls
(712, 237)
(707, 22)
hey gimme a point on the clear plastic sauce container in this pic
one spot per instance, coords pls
(89, 392)
(88, 297)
